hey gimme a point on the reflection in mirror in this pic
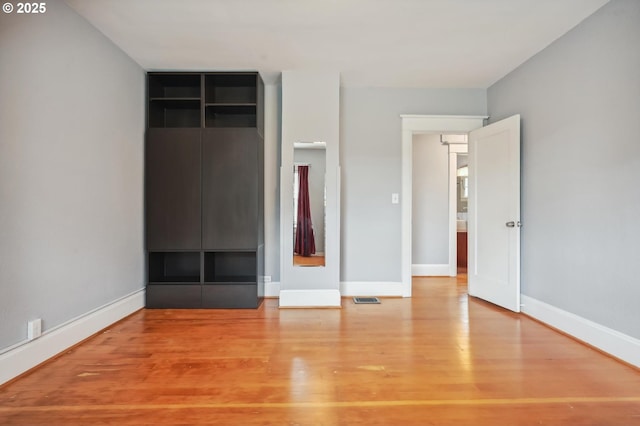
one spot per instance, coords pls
(309, 199)
(462, 177)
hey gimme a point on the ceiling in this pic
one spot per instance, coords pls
(376, 43)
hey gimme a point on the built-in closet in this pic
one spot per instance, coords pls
(204, 191)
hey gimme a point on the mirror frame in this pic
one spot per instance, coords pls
(310, 112)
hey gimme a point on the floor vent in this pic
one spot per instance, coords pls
(365, 300)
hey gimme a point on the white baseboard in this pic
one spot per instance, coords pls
(431, 270)
(272, 289)
(371, 288)
(31, 353)
(310, 298)
(351, 288)
(613, 342)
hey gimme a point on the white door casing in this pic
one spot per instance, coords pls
(494, 213)
(416, 124)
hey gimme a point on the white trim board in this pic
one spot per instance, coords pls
(431, 270)
(52, 342)
(272, 289)
(371, 288)
(613, 342)
(352, 288)
(316, 298)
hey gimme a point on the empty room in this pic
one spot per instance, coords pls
(376, 212)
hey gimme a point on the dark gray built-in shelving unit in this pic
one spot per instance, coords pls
(204, 196)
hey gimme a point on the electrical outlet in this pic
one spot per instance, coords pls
(34, 328)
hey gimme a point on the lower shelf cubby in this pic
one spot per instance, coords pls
(230, 296)
(174, 267)
(210, 279)
(230, 267)
(174, 296)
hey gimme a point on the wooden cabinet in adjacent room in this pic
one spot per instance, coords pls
(462, 249)
(204, 166)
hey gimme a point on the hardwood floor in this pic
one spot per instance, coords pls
(438, 358)
(308, 260)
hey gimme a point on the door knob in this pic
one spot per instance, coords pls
(511, 224)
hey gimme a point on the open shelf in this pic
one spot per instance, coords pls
(174, 267)
(230, 116)
(172, 86)
(230, 267)
(175, 100)
(230, 100)
(174, 112)
(235, 88)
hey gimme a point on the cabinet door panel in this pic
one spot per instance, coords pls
(230, 296)
(230, 188)
(176, 296)
(172, 170)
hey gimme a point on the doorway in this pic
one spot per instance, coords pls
(461, 212)
(422, 124)
(438, 204)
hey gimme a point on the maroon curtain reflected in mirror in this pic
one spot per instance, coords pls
(305, 243)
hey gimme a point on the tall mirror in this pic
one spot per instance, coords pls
(309, 203)
(310, 269)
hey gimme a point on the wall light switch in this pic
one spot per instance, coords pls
(395, 198)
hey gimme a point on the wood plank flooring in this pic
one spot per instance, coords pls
(439, 358)
(308, 260)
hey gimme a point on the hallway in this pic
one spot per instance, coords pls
(439, 358)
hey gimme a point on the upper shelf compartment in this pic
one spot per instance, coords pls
(174, 86)
(230, 89)
(210, 99)
(231, 99)
(175, 100)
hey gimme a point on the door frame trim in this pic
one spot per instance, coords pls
(420, 124)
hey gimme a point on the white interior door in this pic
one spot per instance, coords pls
(494, 213)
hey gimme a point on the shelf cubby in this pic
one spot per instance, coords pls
(174, 113)
(174, 267)
(175, 100)
(234, 88)
(175, 86)
(230, 267)
(230, 115)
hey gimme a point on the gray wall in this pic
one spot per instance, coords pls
(370, 157)
(272, 137)
(580, 105)
(71, 170)
(430, 201)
